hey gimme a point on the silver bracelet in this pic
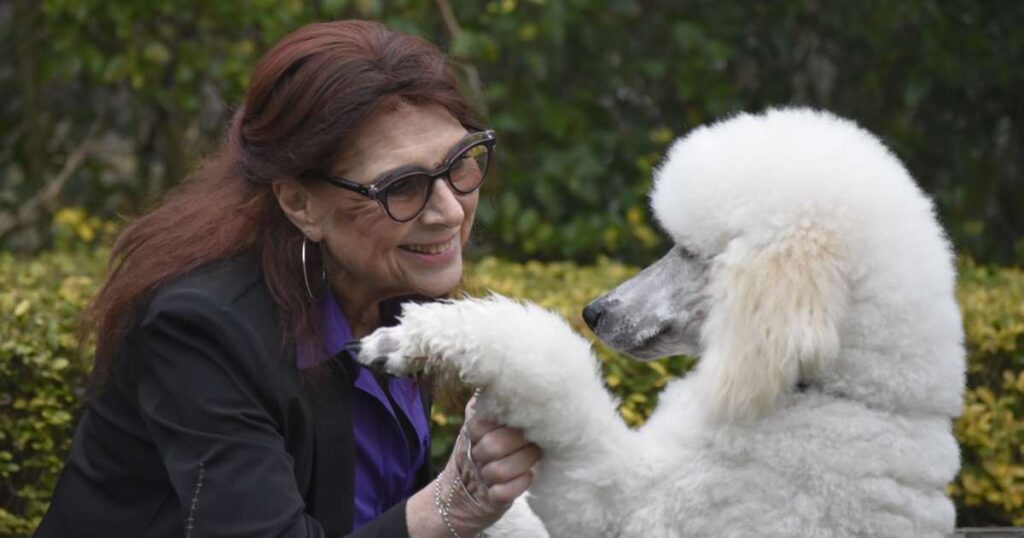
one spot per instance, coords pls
(469, 456)
(445, 508)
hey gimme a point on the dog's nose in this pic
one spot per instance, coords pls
(592, 313)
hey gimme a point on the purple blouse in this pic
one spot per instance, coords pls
(386, 465)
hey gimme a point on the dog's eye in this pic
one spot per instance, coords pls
(684, 252)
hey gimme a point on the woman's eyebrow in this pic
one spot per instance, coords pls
(401, 170)
(417, 168)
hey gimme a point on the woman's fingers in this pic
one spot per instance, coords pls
(490, 466)
(502, 459)
(492, 441)
(506, 492)
(510, 467)
(476, 428)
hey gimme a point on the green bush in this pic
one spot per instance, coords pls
(42, 374)
(990, 487)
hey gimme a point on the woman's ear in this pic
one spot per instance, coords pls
(299, 206)
(775, 319)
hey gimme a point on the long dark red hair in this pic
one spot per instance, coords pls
(307, 100)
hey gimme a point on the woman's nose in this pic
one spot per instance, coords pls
(443, 206)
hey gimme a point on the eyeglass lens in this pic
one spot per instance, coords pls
(405, 198)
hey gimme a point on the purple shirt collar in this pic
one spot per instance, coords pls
(337, 332)
(386, 466)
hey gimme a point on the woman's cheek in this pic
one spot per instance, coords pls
(470, 212)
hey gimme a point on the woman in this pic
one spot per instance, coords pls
(226, 404)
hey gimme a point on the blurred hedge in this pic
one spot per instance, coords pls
(42, 373)
(990, 487)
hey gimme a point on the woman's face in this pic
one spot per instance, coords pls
(371, 257)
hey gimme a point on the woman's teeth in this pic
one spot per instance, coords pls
(435, 248)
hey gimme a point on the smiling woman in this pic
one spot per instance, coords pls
(371, 255)
(224, 400)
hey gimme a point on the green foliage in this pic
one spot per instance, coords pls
(990, 486)
(120, 96)
(43, 368)
(42, 374)
(586, 96)
(42, 377)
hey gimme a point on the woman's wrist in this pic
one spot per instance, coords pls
(461, 502)
(421, 517)
(428, 512)
(449, 499)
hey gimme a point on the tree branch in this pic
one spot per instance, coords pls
(472, 77)
(450, 22)
(44, 199)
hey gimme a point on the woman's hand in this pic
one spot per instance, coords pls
(498, 461)
(490, 466)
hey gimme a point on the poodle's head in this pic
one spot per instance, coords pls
(799, 240)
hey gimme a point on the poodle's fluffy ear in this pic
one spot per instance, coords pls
(774, 320)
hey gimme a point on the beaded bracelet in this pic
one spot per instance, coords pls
(445, 508)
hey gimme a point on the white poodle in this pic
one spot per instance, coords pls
(810, 276)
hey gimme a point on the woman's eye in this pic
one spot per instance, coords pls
(459, 164)
(404, 187)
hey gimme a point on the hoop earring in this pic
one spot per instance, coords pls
(305, 272)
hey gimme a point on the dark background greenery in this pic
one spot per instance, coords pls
(107, 103)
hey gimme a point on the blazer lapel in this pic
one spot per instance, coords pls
(333, 487)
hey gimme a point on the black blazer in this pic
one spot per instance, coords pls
(205, 429)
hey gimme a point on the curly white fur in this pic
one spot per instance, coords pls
(826, 264)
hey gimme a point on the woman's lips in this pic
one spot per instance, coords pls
(429, 248)
(433, 253)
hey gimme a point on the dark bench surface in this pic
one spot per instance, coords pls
(989, 532)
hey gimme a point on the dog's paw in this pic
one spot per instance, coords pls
(387, 350)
